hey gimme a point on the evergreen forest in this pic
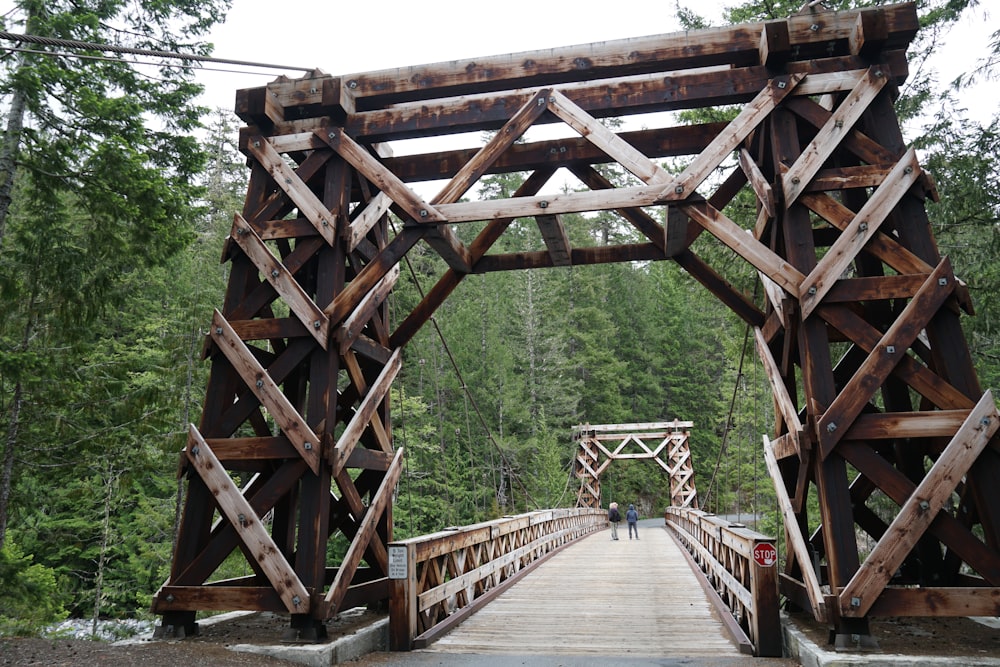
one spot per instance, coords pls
(116, 193)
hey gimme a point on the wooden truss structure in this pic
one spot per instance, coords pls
(880, 413)
(601, 444)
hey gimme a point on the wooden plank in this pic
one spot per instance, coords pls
(628, 157)
(853, 290)
(519, 620)
(555, 238)
(267, 391)
(290, 182)
(609, 59)
(881, 360)
(685, 184)
(274, 271)
(218, 598)
(576, 151)
(875, 211)
(796, 539)
(832, 133)
(247, 524)
(920, 509)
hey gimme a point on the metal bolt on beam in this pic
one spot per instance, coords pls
(831, 427)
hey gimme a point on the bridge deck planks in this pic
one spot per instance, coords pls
(600, 598)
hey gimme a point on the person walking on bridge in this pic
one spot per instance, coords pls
(632, 517)
(614, 516)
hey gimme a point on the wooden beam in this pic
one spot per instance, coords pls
(832, 133)
(920, 509)
(556, 240)
(515, 128)
(380, 501)
(289, 181)
(364, 414)
(267, 391)
(744, 245)
(684, 185)
(796, 540)
(247, 524)
(274, 271)
(865, 224)
(635, 162)
(368, 308)
(886, 355)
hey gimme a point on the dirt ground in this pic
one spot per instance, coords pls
(208, 649)
(958, 637)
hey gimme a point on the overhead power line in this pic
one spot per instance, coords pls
(111, 48)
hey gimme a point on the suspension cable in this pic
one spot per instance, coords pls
(111, 48)
(465, 387)
(729, 418)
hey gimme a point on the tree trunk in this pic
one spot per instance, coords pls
(8, 156)
(6, 477)
(103, 557)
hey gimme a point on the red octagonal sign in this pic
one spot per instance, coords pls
(765, 555)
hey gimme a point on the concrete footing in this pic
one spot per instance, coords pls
(369, 639)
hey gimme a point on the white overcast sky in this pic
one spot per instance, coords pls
(358, 36)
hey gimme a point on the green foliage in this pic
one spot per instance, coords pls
(30, 596)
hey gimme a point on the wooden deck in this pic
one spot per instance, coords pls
(601, 598)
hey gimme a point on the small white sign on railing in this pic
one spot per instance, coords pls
(397, 562)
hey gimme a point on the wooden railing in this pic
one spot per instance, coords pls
(437, 580)
(740, 564)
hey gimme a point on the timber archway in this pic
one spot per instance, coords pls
(667, 444)
(874, 387)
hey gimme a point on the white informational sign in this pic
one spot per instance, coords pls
(397, 562)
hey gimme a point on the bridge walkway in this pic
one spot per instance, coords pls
(630, 598)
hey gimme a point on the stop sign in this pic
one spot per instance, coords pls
(765, 555)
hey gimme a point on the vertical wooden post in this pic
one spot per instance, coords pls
(402, 596)
(766, 629)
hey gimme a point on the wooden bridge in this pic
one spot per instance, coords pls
(878, 405)
(582, 600)
(699, 590)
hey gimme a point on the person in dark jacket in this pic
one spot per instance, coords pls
(614, 516)
(632, 517)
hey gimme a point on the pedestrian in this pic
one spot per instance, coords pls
(613, 518)
(631, 517)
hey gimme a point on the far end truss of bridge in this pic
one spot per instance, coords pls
(664, 443)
